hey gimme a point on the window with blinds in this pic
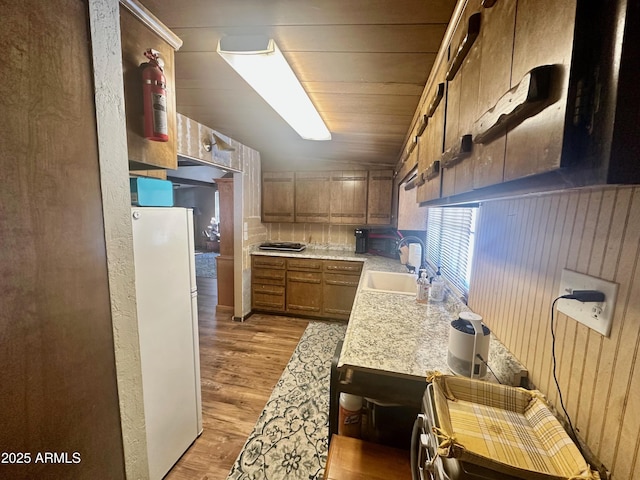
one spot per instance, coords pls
(450, 240)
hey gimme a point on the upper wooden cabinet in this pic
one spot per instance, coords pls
(379, 197)
(348, 197)
(535, 98)
(312, 197)
(462, 77)
(277, 196)
(136, 39)
(430, 143)
(352, 197)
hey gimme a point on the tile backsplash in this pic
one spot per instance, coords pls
(317, 235)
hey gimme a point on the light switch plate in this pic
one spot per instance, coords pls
(597, 316)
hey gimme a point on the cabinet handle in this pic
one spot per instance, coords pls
(279, 214)
(303, 280)
(342, 284)
(345, 215)
(267, 291)
(266, 276)
(312, 214)
(348, 179)
(526, 99)
(422, 125)
(458, 152)
(435, 101)
(488, 3)
(473, 30)
(306, 266)
(303, 308)
(343, 268)
(258, 263)
(412, 145)
(260, 303)
(379, 215)
(433, 170)
(421, 179)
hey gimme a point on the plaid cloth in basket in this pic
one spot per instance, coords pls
(507, 429)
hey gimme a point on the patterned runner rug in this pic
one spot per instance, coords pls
(289, 440)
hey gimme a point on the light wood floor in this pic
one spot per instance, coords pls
(240, 364)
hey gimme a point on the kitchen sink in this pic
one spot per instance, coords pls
(390, 282)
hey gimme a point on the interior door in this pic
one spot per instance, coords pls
(59, 391)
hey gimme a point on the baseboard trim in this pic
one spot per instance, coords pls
(243, 317)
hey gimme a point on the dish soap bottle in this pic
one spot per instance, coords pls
(437, 287)
(422, 295)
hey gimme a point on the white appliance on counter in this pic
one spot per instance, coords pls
(468, 338)
(166, 295)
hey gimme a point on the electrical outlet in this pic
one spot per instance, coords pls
(597, 316)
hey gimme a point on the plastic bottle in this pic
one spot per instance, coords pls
(350, 416)
(437, 287)
(422, 294)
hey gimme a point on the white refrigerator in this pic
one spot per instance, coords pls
(167, 302)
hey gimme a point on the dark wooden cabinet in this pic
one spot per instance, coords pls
(431, 142)
(379, 192)
(312, 197)
(268, 277)
(494, 79)
(348, 197)
(462, 76)
(278, 197)
(354, 197)
(538, 97)
(304, 286)
(339, 287)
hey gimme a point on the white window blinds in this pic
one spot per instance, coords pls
(450, 241)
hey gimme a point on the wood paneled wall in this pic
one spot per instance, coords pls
(522, 246)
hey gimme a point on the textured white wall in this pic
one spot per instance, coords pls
(114, 177)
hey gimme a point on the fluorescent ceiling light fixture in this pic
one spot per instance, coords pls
(260, 62)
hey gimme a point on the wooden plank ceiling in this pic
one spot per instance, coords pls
(364, 64)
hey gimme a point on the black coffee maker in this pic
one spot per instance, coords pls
(362, 235)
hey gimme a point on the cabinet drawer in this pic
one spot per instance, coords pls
(268, 275)
(304, 264)
(268, 297)
(341, 280)
(270, 262)
(342, 266)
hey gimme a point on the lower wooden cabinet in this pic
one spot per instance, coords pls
(268, 276)
(304, 286)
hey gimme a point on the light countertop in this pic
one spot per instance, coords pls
(392, 334)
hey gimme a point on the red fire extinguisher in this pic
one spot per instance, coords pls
(154, 93)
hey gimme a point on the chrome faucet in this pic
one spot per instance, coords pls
(423, 253)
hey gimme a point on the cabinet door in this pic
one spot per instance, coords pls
(544, 34)
(339, 291)
(312, 197)
(431, 142)
(462, 100)
(136, 38)
(304, 292)
(277, 196)
(379, 197)
(496, 38)
(339, 286)
(349, 197)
